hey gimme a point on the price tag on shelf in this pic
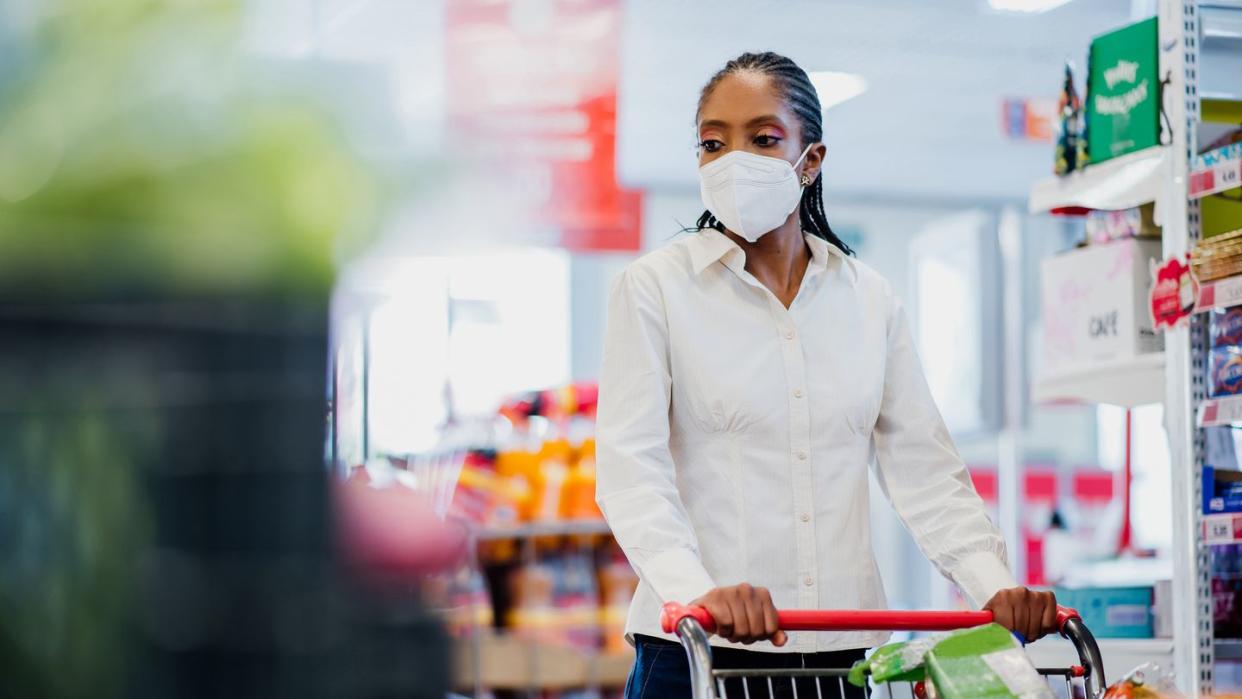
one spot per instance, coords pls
(1223, 293)
(1220, 411)
(1221, 529)
(1217, 178)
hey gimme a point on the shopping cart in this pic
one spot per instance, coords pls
(692, 625)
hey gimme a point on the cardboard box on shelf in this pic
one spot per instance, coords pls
(1095, 305)
(1112, 612)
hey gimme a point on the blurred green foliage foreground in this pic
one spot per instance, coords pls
(169, 221)
(140, 148)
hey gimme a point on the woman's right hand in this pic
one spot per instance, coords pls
(743, 614)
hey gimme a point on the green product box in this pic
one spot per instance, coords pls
(1123, 92)
(983, 662)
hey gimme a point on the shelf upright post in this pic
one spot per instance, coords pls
(1185, 353)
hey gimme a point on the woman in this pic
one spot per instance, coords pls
(752, 370)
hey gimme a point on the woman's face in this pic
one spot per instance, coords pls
(744, 112)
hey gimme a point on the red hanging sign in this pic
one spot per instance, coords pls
(532, 85)
(1174, 292)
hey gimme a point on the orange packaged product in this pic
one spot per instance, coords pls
(549, 478)
(578, 493)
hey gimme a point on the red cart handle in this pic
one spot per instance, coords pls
(851, 619)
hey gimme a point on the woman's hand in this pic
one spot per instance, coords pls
(743, 614)
(1032, 614)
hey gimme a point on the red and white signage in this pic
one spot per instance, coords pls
(1174, 293)
(532, 89)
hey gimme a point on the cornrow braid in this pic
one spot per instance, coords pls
(794, 86)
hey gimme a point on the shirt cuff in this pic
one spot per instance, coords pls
(677, 575)
(981, 575)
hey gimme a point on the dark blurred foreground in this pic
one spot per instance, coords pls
(167, 237)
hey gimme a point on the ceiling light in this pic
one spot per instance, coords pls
(1028, 6)
(835, 88)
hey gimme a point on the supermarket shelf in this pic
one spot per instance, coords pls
(1221, 293)
(1128, 383)
(1121, 183)
(1225, 528)
(561, 528)
(508, 662)
(1224, 172)
(1215, 412)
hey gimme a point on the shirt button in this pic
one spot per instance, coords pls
(788, 334)
(797, 393)
(802, 456)
(808, 581)
(805, 517)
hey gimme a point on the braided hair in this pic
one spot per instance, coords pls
(794, 86)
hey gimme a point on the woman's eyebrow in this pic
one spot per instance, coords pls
(718, 124)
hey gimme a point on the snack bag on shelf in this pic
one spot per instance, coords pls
(1225, 371)
(1226, 326)
(1147, 681)
(985, 661)
(486, 496)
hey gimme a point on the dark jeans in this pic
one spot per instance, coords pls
(661, 671)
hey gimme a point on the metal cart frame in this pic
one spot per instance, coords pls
(694, 624)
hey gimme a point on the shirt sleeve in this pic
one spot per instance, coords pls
(635, 486)
(923, 476)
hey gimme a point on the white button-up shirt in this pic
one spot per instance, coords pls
(734, 436)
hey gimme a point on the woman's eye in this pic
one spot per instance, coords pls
(711, 145)
(766, 141)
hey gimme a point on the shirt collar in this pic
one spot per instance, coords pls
(709, 246)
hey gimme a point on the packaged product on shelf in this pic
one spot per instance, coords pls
(1069, 109)
(1227, 590)
(548, 474)
(486, 496)
(1217, 257)
(1147, 681)
(578, 490)
(577, 599)
(1226, 326)
(465, 603)
(1225, 371)
(617, 582)
(1221, 151)
(532, 588)
(1123, 91)
(1106, 226)
(1095, 302)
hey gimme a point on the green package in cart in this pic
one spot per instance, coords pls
(895, 662)
(985, 661)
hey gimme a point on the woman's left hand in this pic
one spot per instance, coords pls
(1030, 613)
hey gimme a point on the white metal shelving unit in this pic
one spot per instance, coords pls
(1185, 354)
(1162, 175)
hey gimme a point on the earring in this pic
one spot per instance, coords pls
(806, 180)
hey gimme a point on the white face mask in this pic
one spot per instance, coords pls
(750, 194)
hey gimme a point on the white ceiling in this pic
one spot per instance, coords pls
(927, 129)
(929, 126)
